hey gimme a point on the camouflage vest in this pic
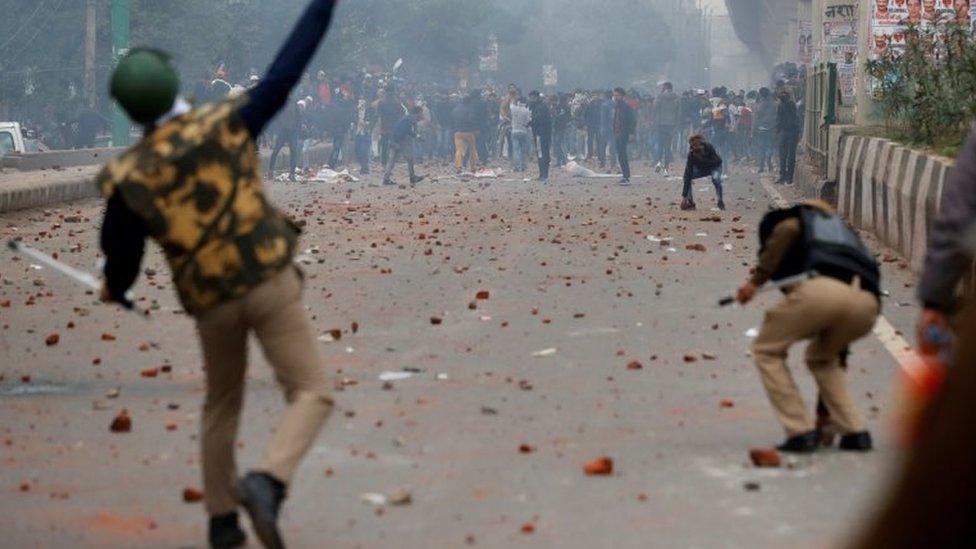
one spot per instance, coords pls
(195, 182)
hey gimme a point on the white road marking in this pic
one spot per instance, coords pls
(895, 344)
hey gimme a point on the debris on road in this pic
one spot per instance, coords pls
(192, 495)
(599, 467)
(122, 423)
(545, 352)
(395, 376)
(765, 457)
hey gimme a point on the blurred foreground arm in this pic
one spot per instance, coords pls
(950, 242)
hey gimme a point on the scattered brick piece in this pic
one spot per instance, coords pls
(528, 528)
(599, 467)
(765, 457)
(192, 495)
(727, 403)
(635, 365)
(122, 423)
(52, 340)
(482, 295)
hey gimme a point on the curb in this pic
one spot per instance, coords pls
(67, 188)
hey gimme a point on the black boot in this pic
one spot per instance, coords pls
(414, 179)
(856, 442)
(225, 532)
(261, 495)
(801, 444)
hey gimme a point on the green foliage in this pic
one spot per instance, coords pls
(927, 92)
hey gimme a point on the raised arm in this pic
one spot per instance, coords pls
(270, 95)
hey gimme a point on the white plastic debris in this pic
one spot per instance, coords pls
(752, 332)
(395, 376)
(574, 169)
(487, 173)
(373, 498)
(441, 377)
(727, 247)
(545, 352)
(327, 175)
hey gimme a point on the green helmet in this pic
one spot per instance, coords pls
(145, 84)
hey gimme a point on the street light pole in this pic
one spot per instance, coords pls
(90, 36)
(120, 46)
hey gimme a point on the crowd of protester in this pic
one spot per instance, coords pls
(487, 127)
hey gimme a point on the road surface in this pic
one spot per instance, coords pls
(508, 399)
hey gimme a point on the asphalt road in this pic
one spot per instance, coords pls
(571, 276)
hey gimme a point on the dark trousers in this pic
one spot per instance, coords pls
(544, 142)
(363, 145)
(338, 140)
(697, 173)
(764, 142)
(282, 139)
(621, 142)
(591, 142)
(559, 146)
(787, 155)
(385, 142)
(665, 145)
(400, 149)
(482, 141)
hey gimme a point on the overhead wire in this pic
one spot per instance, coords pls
(23, 25)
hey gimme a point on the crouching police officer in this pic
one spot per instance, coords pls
(192, 184)
(836, 306)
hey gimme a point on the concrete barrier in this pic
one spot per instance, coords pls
(35, 189)
(59, 159)
(891, 191)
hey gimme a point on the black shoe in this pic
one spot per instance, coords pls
(801, 444)
(389, 182)
(856, 442)
(624, 181)
(261, 495)
(225, 532)
(721, 205)
(417, 179)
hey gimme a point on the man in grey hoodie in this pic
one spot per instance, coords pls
(665, 116)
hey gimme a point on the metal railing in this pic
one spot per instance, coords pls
(821, 111)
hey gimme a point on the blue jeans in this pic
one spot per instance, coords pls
(520, 149)
(697, 174)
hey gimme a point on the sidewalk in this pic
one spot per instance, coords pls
(20, 190)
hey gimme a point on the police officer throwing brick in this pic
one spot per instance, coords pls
(836, 306)
(193, 185)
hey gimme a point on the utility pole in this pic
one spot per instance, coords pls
(90, 37)
(120, 47)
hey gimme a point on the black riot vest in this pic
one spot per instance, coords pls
(827, 245)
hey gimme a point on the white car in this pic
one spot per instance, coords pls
(11, 138)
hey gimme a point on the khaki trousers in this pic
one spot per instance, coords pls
(831, 314)
(465, 143)
(274, 312)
